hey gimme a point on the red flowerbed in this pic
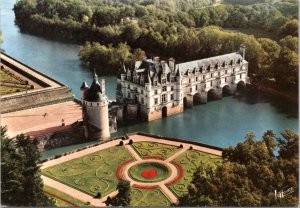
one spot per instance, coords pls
(54, 195)
(180, 175)
(118, 172)
(144, 187)
(149, 173)
(154, 157)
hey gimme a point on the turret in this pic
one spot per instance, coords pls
(83, 90)
(96, 107)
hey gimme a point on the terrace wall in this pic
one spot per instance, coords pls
(33, 99)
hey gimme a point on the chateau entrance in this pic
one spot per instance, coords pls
(164, 111)
(185, 104)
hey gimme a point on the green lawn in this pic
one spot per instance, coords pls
(61, 203)
(161, 171)
(5, 90)
(190, 161)
(148, 197)
(92, 173)
(5, 77)
(154, 149)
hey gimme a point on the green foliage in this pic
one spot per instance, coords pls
(290, 28)
(249, 175)
(123, 197)
(21, 183)
(99, 56)
(169, 28)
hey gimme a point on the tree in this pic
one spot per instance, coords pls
(249, 174)
(123, 197)
(290, 28)
(270, 55)
(21, 183)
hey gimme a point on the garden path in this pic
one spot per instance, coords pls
(75, 193)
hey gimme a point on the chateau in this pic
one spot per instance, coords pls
(155, 88)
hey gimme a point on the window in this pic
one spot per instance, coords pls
(142, 92)
(191, 89)
(225, 79)
(128, 86)
(210, 83)
(142, 100)
(225, 71)
(240, 76)
(196, 79)
(171, 97)
(128, 95)
(211, 75)
(172, 88)
(203, 76)
(189, 80)
(164, 89)
(135, 89)
(163, 98)
(155, 101)
(155, 83)
(196, 87)
(219, 73)
(233, 70)
(163, 81)
(155, 92)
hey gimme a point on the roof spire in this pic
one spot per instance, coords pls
(95, 75)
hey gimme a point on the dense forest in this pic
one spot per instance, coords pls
(249, 175)
(114, 32)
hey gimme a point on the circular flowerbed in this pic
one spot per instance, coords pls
(149, 172)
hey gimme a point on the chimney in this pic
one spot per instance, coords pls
(103, 86)
(242, 50)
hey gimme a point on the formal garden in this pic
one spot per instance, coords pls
(155, 172)
(10, 83)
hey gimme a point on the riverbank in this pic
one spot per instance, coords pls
(272, 89)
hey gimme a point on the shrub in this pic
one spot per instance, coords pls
(191, 147)
(121, 143)
(181, 146)
(31, 87)
(130, 142)
(57, 156)
(98, 195)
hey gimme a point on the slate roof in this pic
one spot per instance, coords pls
(212, 61)
(94, 94)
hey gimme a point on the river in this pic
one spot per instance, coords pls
(220, 123)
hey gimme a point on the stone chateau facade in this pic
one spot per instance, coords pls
(155, 88)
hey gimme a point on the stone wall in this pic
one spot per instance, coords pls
(34, 99)
(73, 135)
(157, 114)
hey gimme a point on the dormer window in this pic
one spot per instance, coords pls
(163, 81)
(155, 83)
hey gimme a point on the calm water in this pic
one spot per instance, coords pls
(219, 123)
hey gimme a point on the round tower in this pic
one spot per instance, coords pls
(96, 106)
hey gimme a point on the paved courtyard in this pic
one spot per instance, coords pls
(41, 120)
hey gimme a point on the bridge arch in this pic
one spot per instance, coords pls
(226, 90)
(240, 87)
(212, 95)
(197, 99)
